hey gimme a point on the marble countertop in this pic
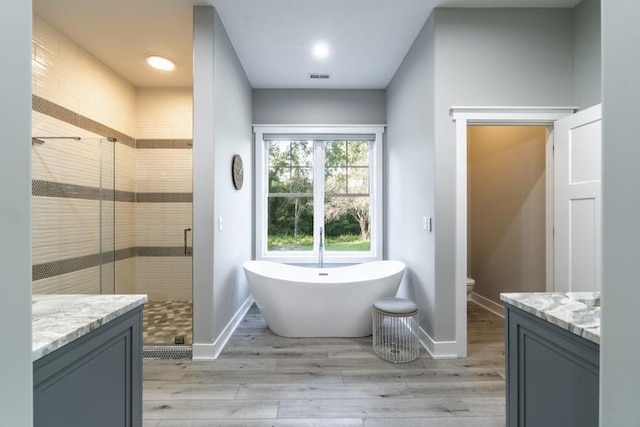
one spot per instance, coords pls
(577, 312)
(59, 319)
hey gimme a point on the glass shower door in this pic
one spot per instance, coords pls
(107, 216)
(72, 215)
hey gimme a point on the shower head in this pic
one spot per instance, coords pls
(36, 141)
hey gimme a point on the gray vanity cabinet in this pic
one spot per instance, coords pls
(552, 374)
(95, 380)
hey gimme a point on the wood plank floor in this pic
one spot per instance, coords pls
(263, 380)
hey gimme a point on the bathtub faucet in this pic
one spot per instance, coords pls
(320, 251)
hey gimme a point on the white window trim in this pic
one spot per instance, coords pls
(376, 183)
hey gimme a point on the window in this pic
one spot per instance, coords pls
(320, 179)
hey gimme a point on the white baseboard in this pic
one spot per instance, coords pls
(449, 349)
(212, 351)
(488, 304)
(438, 349)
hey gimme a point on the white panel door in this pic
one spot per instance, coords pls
(577, 202)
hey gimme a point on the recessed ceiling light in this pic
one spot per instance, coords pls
(161, 63)
(320, 50)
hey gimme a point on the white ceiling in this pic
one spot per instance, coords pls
(273, 38)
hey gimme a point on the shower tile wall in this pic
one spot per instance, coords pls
(67, 75)
(74, 94)
(125, 218)
(164, 193)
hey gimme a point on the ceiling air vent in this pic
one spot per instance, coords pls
(319, 76)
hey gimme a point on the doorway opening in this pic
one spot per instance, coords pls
(506, 211)
(463, 117)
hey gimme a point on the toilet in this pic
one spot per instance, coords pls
(470, 284)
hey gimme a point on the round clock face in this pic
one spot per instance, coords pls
(237, 171)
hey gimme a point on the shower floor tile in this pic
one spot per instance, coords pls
(164, 320)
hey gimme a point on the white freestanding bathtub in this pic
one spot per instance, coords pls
(321, 302)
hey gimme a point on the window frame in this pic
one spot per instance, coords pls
(375, 193)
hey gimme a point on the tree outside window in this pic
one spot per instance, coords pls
(292, 196)
(347, 201)
(290, 202)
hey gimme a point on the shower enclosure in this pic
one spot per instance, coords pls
(115, 217)
(73, 215)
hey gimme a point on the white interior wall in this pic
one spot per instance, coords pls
(409, 175)
(481, 57)
(319, 106)
(619, 349)
(506, 209)
(232, 135)
(222, 127)
(488, 57)
(203, 175)
(16, 407)
(586, 54)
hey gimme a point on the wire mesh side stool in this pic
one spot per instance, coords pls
(395, 330)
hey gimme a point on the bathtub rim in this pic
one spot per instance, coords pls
(311, 275)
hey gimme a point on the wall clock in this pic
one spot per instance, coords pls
(237, 171)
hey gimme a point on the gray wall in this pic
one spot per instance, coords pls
(586, 54)
(222, 127)
(409, 175)
(318, 106)
(506, 209)
(15, 216)
(619, 373)
(483, 57)
(489, 57)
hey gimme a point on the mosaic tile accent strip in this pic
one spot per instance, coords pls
(164, 197)
(124, 196)
(165, 143)
(107, 257)
(56, 111)
(56, 268)
(163, 321)
(162, 251)
(72, 191)
(57, 189)
(121, 254)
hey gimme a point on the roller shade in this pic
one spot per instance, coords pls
(318, 137)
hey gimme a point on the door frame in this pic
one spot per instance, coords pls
(511, 116)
